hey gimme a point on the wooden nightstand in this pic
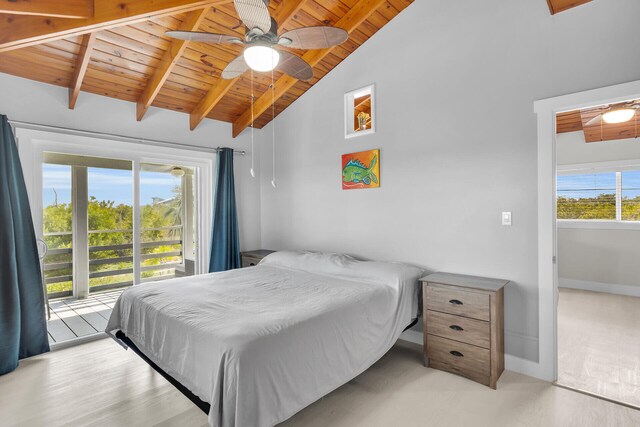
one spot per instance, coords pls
(251, 258)
(464, 325)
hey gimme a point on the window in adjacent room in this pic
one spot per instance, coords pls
(603, 196)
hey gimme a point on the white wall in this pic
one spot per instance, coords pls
(572, 149)
(608, 257)
(455, 84)
(598, 259)
(30, 101)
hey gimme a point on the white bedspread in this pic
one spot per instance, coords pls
(261, 343)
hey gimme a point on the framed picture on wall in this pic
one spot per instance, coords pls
(361, 170)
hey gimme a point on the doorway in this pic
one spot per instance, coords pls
(598, 245)
(546, 110)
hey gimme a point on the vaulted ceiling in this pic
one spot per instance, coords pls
(557, 6)
(119, 49)
(599, 130)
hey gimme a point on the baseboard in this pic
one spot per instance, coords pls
(522, 366)
(610, 288)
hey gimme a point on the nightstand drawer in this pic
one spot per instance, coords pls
(248, 261)
(462, 303)
(460, 358)
(470, 331)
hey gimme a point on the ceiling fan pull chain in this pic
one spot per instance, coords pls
(252, 171)
(273, 130)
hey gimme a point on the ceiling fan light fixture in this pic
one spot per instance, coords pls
(619, 115)
(261, 58)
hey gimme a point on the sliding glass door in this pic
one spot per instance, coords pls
(89, 209)
(166, 222)
(57, 228)
(110, 225)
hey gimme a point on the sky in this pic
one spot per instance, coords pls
(107, 184)
(594, 184)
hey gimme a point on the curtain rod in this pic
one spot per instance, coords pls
(121, 137)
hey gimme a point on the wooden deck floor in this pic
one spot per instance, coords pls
(73, 318)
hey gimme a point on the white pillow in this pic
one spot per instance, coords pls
(401, 277)
(345, 266)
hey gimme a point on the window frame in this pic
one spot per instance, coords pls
(32, 143)
(349, 107)
(617, 167)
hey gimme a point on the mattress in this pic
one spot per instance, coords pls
(261, 343)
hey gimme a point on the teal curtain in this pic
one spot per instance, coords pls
(225, 246)
(23, 328)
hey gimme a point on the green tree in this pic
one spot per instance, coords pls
(104, 217)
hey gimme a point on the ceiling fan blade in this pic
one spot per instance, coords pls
(294, 66)
(314, 37)
(235, 68)
(594, 121)
(197, 36)
(254, 14)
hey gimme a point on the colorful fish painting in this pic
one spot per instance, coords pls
(361, 170)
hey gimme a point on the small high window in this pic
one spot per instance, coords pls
(359, 112)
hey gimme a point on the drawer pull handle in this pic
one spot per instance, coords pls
(455, 302)
(456, 353)
(456, 328)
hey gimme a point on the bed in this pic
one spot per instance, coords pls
(259, 344)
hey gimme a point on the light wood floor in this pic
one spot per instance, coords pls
(75, 318)
(599, 344)
(101, 384)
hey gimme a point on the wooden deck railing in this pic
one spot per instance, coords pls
(68, 265)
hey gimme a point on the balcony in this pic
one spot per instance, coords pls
(112, 266)
(111, 270)
(73, 318)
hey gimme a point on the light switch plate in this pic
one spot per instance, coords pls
(506, 218)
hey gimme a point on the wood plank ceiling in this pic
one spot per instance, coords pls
(557, 6)
(573, 121)
(132, 59)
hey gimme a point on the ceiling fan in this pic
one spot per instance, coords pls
(616, 113)
(261, 37)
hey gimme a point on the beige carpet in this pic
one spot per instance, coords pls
(599, 344)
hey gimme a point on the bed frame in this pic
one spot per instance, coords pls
(204, 406)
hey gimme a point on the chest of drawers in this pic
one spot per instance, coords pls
(464, 325)
(252, 258)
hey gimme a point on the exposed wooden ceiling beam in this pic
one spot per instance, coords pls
(18, 31)
(283, 16)
(365, 99)
(349, 22)
(209, 101)
(169, 60)
(53, 8)
(286, 12)
(88, 40)
(557, 6)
